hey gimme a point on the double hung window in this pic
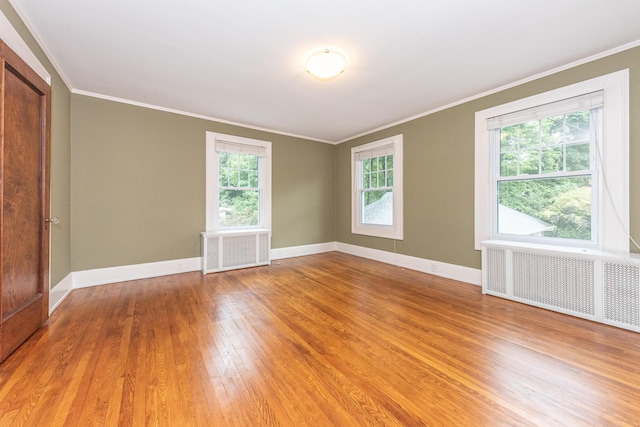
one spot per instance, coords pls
(553, 168)
(238, 182)
(377, 188)
(545, 178)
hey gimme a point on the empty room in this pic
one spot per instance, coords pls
(289, 213)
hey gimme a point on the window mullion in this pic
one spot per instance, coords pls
(539, 147)
(518, 152)
(565, 130)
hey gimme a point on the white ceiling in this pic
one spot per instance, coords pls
(242, 61)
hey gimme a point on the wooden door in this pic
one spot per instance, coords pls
(24, 195)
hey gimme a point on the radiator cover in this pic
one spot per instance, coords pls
(590, 284)
(229, 250)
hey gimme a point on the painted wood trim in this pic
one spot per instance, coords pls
(103, 276)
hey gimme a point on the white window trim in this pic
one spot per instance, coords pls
(395, 231)
(614, 151)
(211, 198)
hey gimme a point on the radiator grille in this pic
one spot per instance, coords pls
(621, 293)
(592, 285)
(211, 253)
(497, 276)
(238, 250)
(556, 281)
(231, 250)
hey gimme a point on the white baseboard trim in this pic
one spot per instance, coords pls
(103, 276)
(60, 292)
(437, 268)
(304, 250)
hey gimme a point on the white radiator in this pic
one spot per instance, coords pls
(589, 284)
(228, 250)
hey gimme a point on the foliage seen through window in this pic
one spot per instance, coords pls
(544, 172)
(239, 196)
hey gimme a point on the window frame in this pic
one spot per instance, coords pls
(612, 206)
(212, 199)
(396, 230)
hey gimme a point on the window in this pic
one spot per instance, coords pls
(553, 168)
(545, 178)
(238, 182)
(377, 188)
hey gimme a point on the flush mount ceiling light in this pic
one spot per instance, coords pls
(326, 63)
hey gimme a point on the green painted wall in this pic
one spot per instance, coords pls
(439, 168)
(128, 182)
(138, 187)
(60, 180)
(60, 154)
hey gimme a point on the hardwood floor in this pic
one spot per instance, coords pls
(324, 340)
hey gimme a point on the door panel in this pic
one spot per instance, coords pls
(24, 237)
(21, 181)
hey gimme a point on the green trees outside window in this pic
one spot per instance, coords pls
(545, 172)
(239, 195)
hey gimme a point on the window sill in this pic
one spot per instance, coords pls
(542, 248)
(236, 232)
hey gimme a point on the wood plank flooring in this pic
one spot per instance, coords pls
(324, 340)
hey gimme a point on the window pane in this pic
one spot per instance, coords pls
(239, 208)
(243, 179)
(223, 171)
(509, 138)
(253, 179)
(233, 178)
(558, 207)
(234, 160)
(508, 164)
(390, 161)
(381, 179)
(223, 177)
(243, 162)
(253, 163)
(529, 135)
(224, 160)
(552, 130)
(551, 160)
(390, 178)
(377, 207)
(529, 162)
(374, 180)
(578, 126)
(578, 157)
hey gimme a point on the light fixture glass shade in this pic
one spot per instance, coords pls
(326, 63)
